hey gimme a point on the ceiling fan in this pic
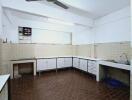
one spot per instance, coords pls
(58, 3)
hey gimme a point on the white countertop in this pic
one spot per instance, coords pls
(53, 57)
(90, 58)
(115, 65)
(3, 80)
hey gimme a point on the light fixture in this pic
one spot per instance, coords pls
(55, 21)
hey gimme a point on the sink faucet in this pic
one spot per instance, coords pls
(127, 60)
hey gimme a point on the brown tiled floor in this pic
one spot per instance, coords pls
(65, 85)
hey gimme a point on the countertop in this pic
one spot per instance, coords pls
(115, 65)
(90, 58)
(3, 80)
(35, 58)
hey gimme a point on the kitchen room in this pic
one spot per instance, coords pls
(65, 49)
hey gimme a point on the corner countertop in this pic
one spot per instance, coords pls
(35, 58)
(3, 80)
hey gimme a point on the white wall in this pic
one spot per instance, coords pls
(44, 10)
(43, 31)
(131, 58)
(114, 27)
(0, 18)
(52, 37)
(40, 9)
(83, 37)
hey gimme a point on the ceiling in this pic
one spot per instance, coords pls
(93, 8)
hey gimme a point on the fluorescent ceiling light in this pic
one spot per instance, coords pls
(55, 21)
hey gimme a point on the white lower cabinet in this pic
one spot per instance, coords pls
(76, 62)
(42, 64)
(64, 62)
(92, 67)
(51, 63)
(60, 63)
(46, 64)
(68, 62)
(83, 65)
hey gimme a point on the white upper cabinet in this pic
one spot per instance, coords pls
(68, 62)
(83, 65)
(76, 62)
(92, 67)
(60, 63)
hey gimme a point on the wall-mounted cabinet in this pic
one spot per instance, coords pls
(25, 34)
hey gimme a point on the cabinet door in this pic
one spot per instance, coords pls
(42, 64)
(51, 63)
(83, 64)
(60, 63)
(92, 66)
(68, 62)
(76, 62)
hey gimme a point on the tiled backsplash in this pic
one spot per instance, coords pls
(84, 50)
(50, 50)
(102, 51)
(112, 50)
